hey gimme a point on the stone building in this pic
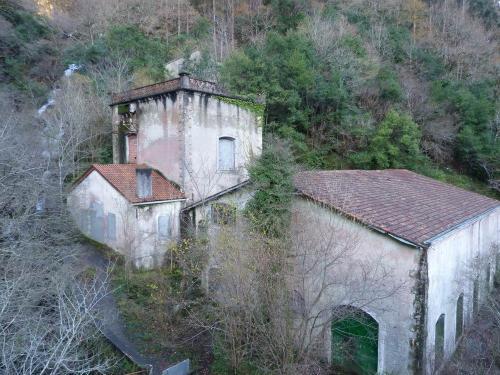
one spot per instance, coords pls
(174, 143)
(417, 256)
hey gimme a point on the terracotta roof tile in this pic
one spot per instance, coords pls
(123, 178)
(402, 203)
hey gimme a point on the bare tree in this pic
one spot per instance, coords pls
(273, 300)
(48, 317)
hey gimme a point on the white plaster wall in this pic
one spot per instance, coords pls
(373, 251)
(451, 271)
(206, 119)
(94, 188)
(160, 136)
(136, 226)
(151, 249)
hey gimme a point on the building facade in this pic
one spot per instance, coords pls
(402, 258)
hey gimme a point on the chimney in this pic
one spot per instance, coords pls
(144, 183)
(184, 80)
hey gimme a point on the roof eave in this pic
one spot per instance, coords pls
(460, 225)
(148, 203)
(216, 195)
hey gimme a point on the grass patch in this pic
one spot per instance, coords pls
(155, 310)
(104, 249)
(123, 364)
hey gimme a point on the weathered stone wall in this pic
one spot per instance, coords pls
(151, 249)
(372, 272)
(207, 118)
(160, 135)
(178, 134)
(454, 261)
(94, 189)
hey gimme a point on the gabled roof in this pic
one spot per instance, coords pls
(398, 202)
(217, 195)
(123, 178)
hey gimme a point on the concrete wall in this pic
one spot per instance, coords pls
(136, 226)
(160, 137)
(178, 134)
(454, 261)
(371, 272)
(151, 249)
(207, 118)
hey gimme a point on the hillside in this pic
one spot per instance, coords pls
(354, 84)
(347, 84)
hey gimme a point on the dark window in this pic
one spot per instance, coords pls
(475, 298)
(439, 341)
(226, 154)
(497, 270)
(223, 213)
(123, 109)
(460, 317)
(488, 275)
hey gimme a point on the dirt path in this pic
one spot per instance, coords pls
(113, 327)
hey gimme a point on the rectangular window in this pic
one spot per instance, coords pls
(226, 154)
(164, 227)
(111, 226)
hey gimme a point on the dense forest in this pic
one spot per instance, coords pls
(341, 84)
(351, 84)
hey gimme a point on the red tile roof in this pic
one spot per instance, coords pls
(123, 178)
(399, 202)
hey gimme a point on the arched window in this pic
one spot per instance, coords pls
(226, 154)
(354, 341)
(460, 317)
(488, 276)
(439, 341)
(475, 298)
(497, 270)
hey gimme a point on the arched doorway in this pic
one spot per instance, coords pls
(354, 342)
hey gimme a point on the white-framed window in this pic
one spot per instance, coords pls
(226, 154)
(164, 227)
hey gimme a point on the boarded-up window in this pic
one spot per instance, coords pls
(223, 213)
(85, 220)
(111, 226)
(460, 317)
(164, 227)
(97, 221)
(226, 154)
(439, 341)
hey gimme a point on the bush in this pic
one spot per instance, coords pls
(389, 85)
(395, 144)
